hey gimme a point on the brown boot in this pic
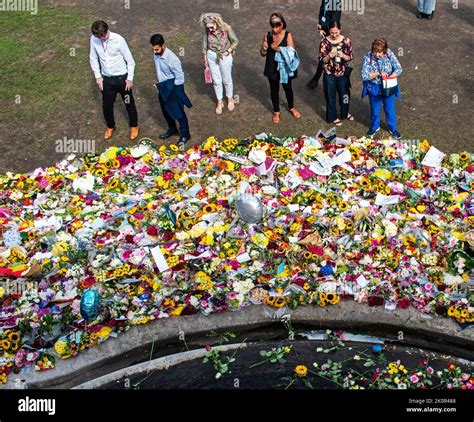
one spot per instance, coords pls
(108, 133)
(134, 132)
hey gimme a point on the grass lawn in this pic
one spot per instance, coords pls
(42, 60)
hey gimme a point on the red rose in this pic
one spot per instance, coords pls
(375, 301)
(129, 238)
(403, 303)
(167, 235)
(152, 231)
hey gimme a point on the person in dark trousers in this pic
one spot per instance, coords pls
(171, 90)
(335, 53)
(329, 11)
(113, 67)
(272, 41)
(426, 9)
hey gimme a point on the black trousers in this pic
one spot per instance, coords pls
(319, 72)
(114, 85)
(183, 121)
(336, 86)
(275, 94)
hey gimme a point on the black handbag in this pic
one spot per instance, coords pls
(348, 71)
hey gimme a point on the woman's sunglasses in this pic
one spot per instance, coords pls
(275, 24)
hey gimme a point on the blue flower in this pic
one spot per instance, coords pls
(327, 270)
(377, 349)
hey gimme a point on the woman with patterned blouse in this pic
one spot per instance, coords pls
(335, 52)
(380, 63)
(218, 46)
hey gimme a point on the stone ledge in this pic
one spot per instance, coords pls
(115, 354)
(154, 365)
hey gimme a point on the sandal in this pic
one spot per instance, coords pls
(295, 113)
(350, 117)
(337, 122)
(276, 117)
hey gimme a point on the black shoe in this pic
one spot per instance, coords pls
(312, 84)
(182, 142)
(429, 17)
(419, 15)
(168, 134)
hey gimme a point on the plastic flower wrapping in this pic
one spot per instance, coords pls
(157, 233)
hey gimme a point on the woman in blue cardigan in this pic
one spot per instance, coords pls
(380, 63)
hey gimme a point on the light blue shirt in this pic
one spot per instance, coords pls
(168, 66)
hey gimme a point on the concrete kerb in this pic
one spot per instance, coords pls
(115, 354)
(159, 364)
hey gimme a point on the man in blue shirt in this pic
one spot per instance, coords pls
(171, 90)
(329, 11)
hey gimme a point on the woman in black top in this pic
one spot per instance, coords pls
(272, 41)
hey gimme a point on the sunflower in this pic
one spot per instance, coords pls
(343, 205)
(301, 370)
(124, 151)
(451, 311)
(322, 296)
(174, 148)
(209, 208)
(307, 255)
(115, 163)
(188, 225)
(464, 313)
(113, 184)
(14, 336)
(5, 344)
(365, 184)
(100, 171)
(464, 156)
(276, 301)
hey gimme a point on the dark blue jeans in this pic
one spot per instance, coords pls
(333, 87)
(183, 121)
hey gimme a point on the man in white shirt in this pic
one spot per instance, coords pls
(113, 67)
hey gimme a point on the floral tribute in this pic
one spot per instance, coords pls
(156, 233)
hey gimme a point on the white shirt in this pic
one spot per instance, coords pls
(168, 66)
(112, 60)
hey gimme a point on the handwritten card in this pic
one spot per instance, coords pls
(433, 157)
